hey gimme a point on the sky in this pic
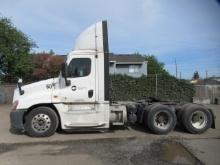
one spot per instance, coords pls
(185, 30)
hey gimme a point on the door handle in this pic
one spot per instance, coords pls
(73, 88)
(90, 93)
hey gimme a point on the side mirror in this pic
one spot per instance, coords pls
(19, 86)
(64, 73)
(20, 80)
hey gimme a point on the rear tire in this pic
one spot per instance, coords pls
(41, 122)
(161, 119)
(181, 110)
(196, 119)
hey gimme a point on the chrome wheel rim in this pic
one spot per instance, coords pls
(198, 119)
(162, 120)
(41, 123)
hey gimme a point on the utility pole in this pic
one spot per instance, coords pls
(180, 75)
(156, 85)
(176, 67)
(206, 74)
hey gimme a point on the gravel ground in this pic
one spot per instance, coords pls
(126, 151)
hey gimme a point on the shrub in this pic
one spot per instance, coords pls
(125, 88)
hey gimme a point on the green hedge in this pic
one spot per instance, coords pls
(125, 88)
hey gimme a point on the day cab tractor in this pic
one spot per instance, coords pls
(78, 99)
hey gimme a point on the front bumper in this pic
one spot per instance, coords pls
(16, 119)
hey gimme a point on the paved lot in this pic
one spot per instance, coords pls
(118, 146)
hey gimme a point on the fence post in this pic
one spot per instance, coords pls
(213, 96)
(156, 84)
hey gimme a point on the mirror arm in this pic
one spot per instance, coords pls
(67, 81)
(64, 73)
(20, 90)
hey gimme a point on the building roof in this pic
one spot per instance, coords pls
(127, 58)
(209, 81)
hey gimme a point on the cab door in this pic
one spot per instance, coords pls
(80, 97)
(81, 73)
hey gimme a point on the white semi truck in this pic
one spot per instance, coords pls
(79, 98)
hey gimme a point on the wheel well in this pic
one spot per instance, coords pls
(43, 105)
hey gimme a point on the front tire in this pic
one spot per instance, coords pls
(41, 122)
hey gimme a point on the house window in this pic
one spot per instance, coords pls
(134, 68)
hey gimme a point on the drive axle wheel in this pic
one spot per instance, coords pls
(41, 122)
(161, 119)
(196, 119)
(181, 110)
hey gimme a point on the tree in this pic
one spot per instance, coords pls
(51, 52)
(15, 60)
(46, 66)
(195, 75)
(154, 66)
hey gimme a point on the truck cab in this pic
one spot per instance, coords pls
(79, 97)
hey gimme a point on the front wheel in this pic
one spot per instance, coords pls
(161, 119)
(41, 122)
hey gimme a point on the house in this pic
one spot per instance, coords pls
(131, 65)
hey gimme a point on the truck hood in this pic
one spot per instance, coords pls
(34, 93)
(38, 86)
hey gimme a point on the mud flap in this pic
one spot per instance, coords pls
(16, 119)
(213, 119)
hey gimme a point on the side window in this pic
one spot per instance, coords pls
(79, 67)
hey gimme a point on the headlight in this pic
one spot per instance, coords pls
(14, 105)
